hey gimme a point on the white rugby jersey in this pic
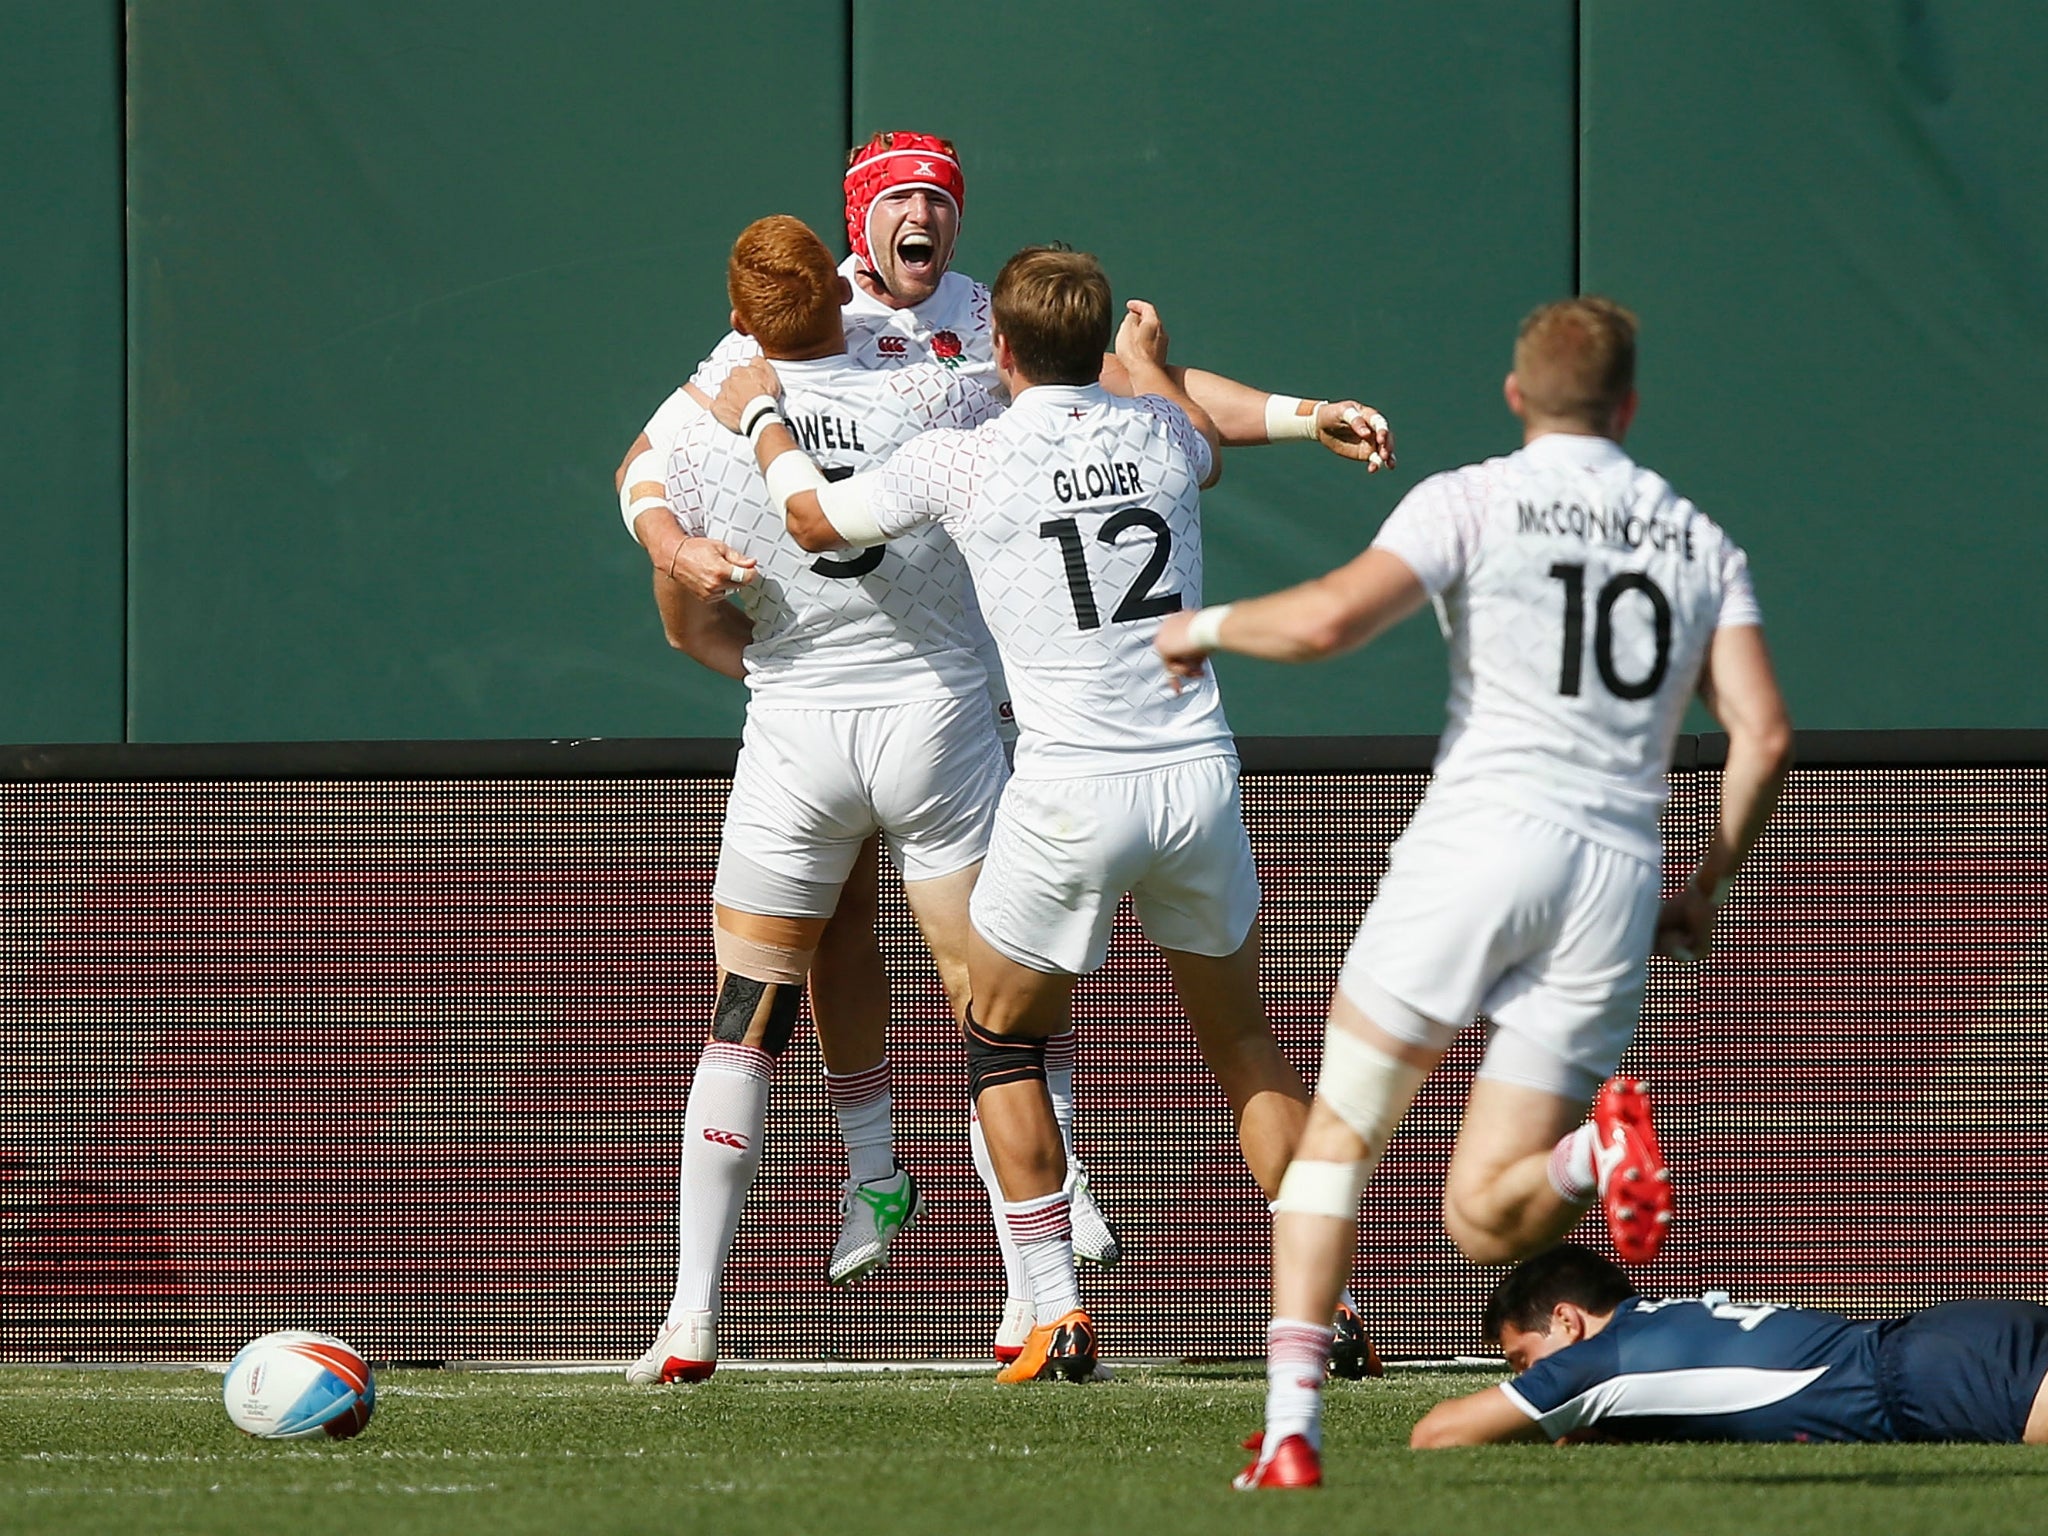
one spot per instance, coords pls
(841, 631)
(1079, 513)
(951, 327)
(1578, 592)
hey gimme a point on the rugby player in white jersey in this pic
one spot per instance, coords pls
(1079, 514)
(1585, 602)
(904, 195)
(868, 711)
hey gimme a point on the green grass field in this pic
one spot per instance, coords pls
(1150, 1453)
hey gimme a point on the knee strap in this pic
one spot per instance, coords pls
(1365, 1087)
(739, 1001)
(995, 1059)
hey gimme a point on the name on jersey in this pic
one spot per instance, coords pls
(1096, 482)
(816, 432)
(1618, 526)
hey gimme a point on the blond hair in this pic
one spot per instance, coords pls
(1575, 361)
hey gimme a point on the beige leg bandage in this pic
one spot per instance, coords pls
(760, 962)
(1369, 1091)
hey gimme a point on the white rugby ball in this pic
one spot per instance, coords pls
(294, 1385)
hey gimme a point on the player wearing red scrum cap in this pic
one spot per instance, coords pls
(904, 197)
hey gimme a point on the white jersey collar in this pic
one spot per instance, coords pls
(1584, 450)
(1061, 397)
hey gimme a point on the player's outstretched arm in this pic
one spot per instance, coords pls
(1739, 686)
(1334, 613)
(820, 514)
(1247, 417)
(1484, 1418)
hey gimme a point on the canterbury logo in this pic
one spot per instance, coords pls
(894, 346)
(731, 1139)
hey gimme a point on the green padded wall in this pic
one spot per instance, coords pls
(403, 279)
(406, 280)
(61, 428)
(1831, 218)
(1355, 202)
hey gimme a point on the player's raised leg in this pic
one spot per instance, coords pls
(1268, 1100)
(762, 963)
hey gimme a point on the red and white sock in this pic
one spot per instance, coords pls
(1044, 1235)
(1015, 1276)
(722, 1125)
(861, 1102)
(1059, 1085)
(1571, 1169)
(1297, 1359)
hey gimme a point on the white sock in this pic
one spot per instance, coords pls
(1571, 1169)
(861, 1101)
(1015, 1276)
(1297, 1358)
(1059, 1085)
(722, 1125)
(1045, 1237)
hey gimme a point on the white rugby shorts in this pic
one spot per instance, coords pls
(1064, 851)
(812, 784)
(1485, 910)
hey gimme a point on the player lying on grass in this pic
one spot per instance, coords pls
(1595, 1360)
(1078, 512)
(1585, 602)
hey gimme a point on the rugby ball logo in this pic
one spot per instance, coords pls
(296, 1385)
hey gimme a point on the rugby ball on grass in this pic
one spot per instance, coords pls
(294, 1386)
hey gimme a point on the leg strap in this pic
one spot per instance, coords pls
(1365, 1087)
(1324, 1189)
(739, 1004)
(996, 1059)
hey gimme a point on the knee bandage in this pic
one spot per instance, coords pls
(1369, 1091)
(739, 1001)
(996, 1059)
(763, 962)
(1366, 1088)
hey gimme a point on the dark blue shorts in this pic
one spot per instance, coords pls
(1965, 1371)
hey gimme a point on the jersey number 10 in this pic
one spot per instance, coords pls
(1574, 579)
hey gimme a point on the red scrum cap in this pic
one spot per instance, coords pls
(898, 160)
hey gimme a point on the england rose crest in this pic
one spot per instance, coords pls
(946, 348)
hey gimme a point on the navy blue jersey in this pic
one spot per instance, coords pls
(1705, 1369)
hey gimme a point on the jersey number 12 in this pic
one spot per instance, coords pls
(1140, 601)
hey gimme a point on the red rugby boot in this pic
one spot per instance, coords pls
(1635, 1187)
(1293, 1463)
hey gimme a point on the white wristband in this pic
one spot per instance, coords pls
(756, 414)
(1205, 630)
(790, 473)
(1284, 421)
